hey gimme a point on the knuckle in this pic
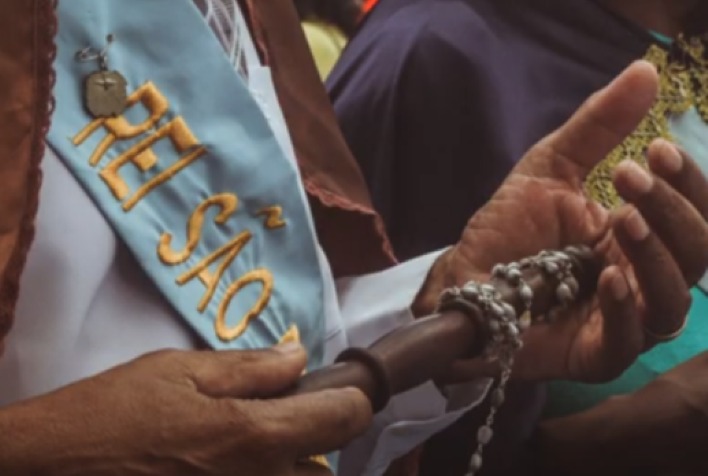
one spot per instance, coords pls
(171, 362)
(256, 428)
(250, 432)
(353, 413)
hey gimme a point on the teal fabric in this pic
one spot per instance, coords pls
(565, 398)
(168, 43)
(568, 397)
(667, 40)
(691, 132)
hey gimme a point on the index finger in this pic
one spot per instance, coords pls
(606, 119)
(665, 293)
(681, 172)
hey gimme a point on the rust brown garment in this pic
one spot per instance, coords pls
(350, 232)
(27, 30)
(338, 194)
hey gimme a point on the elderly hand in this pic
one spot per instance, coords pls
(183, 413)
(655, 247)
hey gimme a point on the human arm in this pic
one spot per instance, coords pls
(661, 428)
(541, 206)
(654, 248)
(181, 413)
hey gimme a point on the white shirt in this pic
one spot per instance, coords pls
(85, 306)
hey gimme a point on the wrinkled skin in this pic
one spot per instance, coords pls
(204, 413)
(655, 247)
(183, 413)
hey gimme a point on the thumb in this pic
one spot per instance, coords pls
(247, 373)
(606, 119)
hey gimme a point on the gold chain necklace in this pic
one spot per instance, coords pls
(683, 83)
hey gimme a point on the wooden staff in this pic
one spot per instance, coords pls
(422, 350)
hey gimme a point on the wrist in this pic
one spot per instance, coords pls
(40, 436)
(19, 450)
(436, 281)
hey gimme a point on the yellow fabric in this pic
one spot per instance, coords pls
(683, 81)
(326, 43)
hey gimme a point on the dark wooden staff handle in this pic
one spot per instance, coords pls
(424, 349)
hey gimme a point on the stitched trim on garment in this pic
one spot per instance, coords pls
(333, 200)
(45, 27)
(683, 82)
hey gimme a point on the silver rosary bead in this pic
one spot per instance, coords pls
(505, 327)
(475, 463)
(514, 275)
(499, 271)
(470, 291)
(448, 295)
(497, 398)
(564, 293)
(573, 285)
(484, 435)
(526, 294)
(551, 267)
(488, 290)
(525, 321)
(509, 311)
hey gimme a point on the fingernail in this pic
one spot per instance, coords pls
(287, 347)
(636, 227)
(637, 177)
(619, 288)
(670, 158)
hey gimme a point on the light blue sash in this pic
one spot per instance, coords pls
(191, 177)
(691, 132)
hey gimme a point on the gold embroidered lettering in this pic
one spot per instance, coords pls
(273, 216)
(144, 158)
(119, 128)
(201, 270)
(320, 460)
(227, 202)
(292, 335)
(223, 331)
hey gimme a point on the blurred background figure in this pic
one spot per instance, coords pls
(369, 5)
(328, 25)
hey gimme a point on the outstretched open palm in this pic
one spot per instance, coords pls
(655, 247)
